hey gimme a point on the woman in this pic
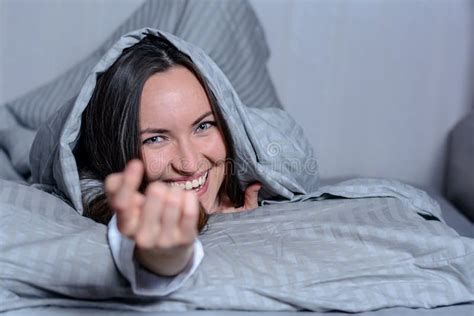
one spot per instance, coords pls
(152, 107)
(139, 128)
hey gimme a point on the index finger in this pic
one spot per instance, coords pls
(133, 174)
(113, 182)
(132, 177)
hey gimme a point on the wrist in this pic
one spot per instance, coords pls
(165, 262)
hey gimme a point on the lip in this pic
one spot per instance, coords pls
(184, 179)
(203, 189)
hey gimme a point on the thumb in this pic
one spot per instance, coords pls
(251, 196)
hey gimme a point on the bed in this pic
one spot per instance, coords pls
(239, 32)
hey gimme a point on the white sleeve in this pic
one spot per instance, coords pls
(143, 281)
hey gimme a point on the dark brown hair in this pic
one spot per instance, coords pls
(109, 135)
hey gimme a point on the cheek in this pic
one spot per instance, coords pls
(216, 148)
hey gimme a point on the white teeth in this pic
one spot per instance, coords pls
(188, 185)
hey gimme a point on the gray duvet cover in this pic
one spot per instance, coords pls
(360, 245)
(458, 310)
(334, 254)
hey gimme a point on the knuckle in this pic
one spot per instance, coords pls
(186, 197)
(154, 189)
(117, 204)
(190, 212)
(142, 241)
(120, 203)
(110, 182)
(139, 199)
(173, 201)
(124, 228)
(110, 178)
(192, 199)
(171, 239)
(165, 243)
(176, 192)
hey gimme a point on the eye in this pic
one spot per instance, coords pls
(205, 125)
(153, 140)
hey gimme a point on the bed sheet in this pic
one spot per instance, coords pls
(458, 310)
(450, 213)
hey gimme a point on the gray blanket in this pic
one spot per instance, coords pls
(359, 245)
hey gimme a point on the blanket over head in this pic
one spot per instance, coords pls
(268, 142)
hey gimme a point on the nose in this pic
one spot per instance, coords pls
(187, 158)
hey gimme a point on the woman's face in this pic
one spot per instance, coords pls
(181, 144)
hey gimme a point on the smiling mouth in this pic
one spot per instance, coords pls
(195, 185)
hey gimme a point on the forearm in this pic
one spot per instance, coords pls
(169, 263)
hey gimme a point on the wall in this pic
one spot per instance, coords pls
(377, 85)
(39, 39)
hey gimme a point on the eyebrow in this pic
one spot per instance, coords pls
(163, 131)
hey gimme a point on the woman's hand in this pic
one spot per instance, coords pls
(250, 200)
(162, 222)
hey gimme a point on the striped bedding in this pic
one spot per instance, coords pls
(349, 255)
(356, 246)
(360, 245)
